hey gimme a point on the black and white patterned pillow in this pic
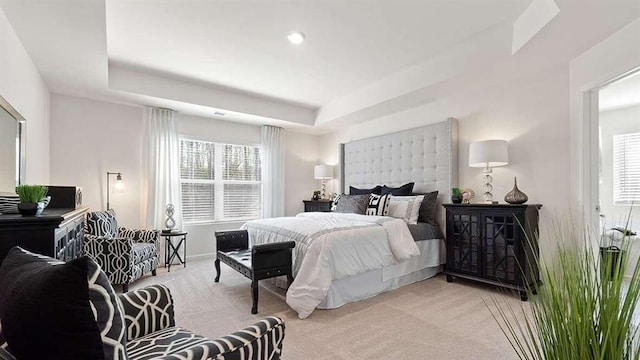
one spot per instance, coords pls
(102, 223)
(9, 204)
(378, 205)
(356, 204)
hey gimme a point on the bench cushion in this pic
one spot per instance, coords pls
(239, 260)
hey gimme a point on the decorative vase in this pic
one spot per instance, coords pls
(456, 199)
(516, 196)
(28, 209)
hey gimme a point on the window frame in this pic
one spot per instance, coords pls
(617, 188)
(219, 182)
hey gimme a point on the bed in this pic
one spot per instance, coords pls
(343, 258)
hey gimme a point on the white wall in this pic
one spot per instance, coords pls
(531, 112)
(22, 86)
(92, 137)
(89, 138)
(616, 122)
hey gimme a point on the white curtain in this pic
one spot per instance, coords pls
(162, 166)
(272, 171)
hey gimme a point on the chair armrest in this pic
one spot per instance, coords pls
(140, 235)
(262, 340)
(267, 256)
(232, 240)
(110, 254)
(273, 247)
(147, 310)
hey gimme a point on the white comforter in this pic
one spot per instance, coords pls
(332, 246)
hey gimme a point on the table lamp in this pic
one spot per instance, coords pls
(323, 173)
(488, 154)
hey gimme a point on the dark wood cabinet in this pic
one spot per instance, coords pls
(317, 205)
(56, 233)
(494, 244)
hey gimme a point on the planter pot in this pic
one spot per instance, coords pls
(28, 209)
(456, 199)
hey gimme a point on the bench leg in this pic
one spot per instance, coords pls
(289, 279)
(254, 296)
(217, 264)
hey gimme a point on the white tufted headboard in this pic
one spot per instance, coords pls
(426, 155)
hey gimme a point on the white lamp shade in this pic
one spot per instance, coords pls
(323, 172)
(488, 153)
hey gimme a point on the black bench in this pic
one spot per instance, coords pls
(260, 262)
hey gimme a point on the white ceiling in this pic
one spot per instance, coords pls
(362, 59)
(242, 44)
(621, 94)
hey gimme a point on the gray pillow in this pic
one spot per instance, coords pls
(428, 208)
(356, 204)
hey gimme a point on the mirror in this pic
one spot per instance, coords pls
(11, 147)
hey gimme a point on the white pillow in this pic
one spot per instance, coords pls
(406, 208)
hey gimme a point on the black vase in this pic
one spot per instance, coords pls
(456, 199)
(28, 209)
(516, 196)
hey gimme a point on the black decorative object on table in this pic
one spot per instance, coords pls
(516, 196)
(257, 263)
(317, 205)
(172, 250)
(489, 243)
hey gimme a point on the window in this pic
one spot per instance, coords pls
(219, 181)
(626, 168)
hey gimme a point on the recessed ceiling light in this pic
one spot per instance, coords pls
(296, 37)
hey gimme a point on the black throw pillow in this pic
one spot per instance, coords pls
(355, 191)
(44, 308)
(404, 190)
(428, 208)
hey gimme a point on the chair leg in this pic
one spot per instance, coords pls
(217, 264)
(125, 288)
(153, 272)
(254, 296)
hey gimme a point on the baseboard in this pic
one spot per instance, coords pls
(201, 256)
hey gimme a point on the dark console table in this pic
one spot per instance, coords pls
(489, 243)
(57, 233)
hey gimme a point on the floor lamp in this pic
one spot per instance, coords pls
(118, 186)
(488, 154)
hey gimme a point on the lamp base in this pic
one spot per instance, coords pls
(493, 202)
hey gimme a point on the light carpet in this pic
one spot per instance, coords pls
(431, 319)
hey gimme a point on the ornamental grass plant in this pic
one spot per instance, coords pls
(31, 193)
(584, 308)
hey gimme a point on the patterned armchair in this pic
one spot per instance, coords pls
(125, 255)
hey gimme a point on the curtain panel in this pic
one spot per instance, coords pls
(162, 168)
(272, 171)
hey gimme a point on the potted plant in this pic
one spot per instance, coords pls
(30, 198)
(456, 196)
(585, 308)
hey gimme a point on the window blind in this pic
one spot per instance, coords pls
(626, 168)
(220, 181)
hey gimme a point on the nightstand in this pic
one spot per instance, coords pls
(317, 205)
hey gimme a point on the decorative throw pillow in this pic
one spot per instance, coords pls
(9, 204)
(102, 223)
(45, 308)
(406, 208)
(355, 191)
(404, 190)
(378, 205)
(356, 204)
(428, 208)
